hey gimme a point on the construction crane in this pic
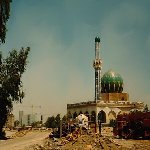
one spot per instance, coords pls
(32, 107)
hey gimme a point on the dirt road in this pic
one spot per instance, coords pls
(20, 143)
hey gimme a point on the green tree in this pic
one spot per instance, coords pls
(53, 122)
(36, 124)
(146, 108)
(57, 120)
(4, 16)
(50, 123)
(11, 70)
(16, 123)
(64, 119)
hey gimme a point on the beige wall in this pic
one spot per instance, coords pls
(107, 97)
(110, 110)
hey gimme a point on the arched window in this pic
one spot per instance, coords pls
(102, 116)
(112, 115)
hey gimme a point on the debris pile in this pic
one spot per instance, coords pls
(19, 134)
(77, 141)
(87, 140)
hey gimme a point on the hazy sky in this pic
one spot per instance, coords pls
(61, 36)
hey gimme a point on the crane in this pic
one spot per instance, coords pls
(32, 107)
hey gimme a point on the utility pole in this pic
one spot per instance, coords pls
(60, 126)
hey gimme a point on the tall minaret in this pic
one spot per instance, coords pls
(97, 66)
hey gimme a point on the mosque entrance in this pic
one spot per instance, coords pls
(102, 116)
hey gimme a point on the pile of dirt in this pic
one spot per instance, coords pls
(90, 141)
(19, 134)
(82, 142)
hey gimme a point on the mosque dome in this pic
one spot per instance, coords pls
(111, 82)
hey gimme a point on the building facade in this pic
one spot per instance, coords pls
(26, 119)
(109, 101)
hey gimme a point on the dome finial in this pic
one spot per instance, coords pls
(97, 39)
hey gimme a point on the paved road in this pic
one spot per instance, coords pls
(21, 143)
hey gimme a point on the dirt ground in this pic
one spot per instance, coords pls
(91, 141)
(22, 139)
(75, 141)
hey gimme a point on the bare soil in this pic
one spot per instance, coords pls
(91, 142)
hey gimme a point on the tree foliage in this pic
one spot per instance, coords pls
(4, 16)
(11, 70)
(36, 124)
(146, 108)
(50, 123)
(57, 120)
(54, 122)
(16, 123)
(64, 119)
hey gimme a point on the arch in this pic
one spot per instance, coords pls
(75, 115)
(93, 116)
(102, 116)
(112, 115)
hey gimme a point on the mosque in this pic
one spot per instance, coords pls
(110, 100)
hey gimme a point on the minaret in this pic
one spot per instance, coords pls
(97, 64)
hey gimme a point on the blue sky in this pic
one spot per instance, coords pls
(61, 36)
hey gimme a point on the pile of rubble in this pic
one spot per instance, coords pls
(19, 134)
(90, 141)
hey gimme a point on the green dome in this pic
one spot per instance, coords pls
(111, 82)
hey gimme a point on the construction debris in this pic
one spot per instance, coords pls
(92, 141)
(18, 134)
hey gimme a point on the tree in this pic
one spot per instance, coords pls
(36, 124)
(146, 108)
(11, 70)
(50, 123)
(16, 123)
(4, 16)
(57, 120)
(64, 119)
(53, 122)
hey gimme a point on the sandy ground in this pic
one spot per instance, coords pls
(133, 144)
(21, 142)
(92, 141)
(37, 140)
